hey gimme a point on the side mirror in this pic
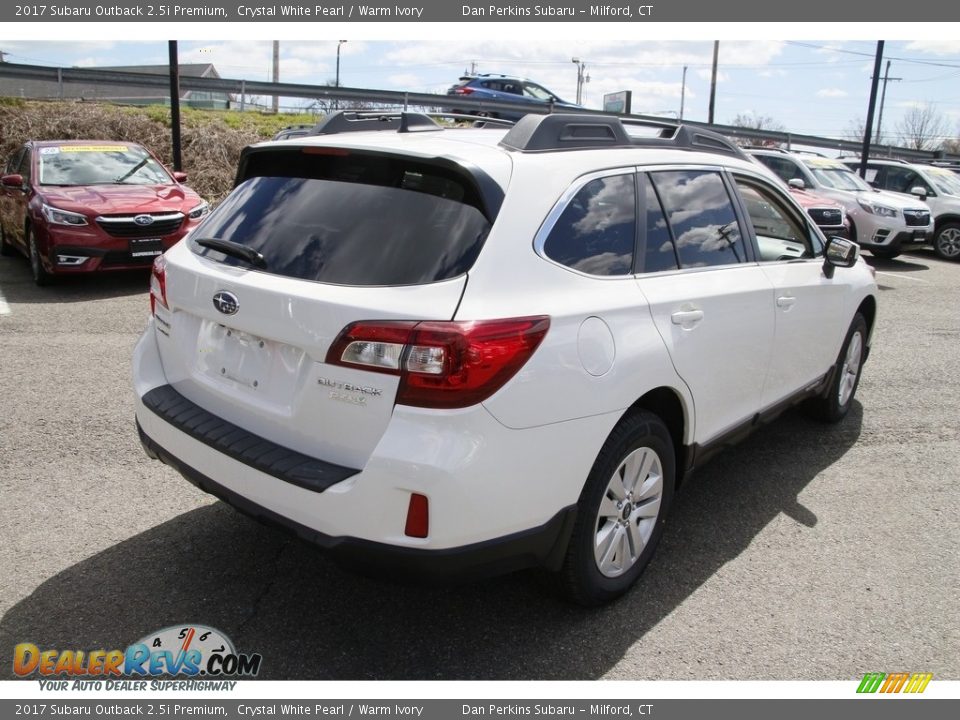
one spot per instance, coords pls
(180, 177)
(839, 252)
(919, 191)
(13, 181)
(797, 183)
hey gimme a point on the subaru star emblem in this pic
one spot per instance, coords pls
(143, 219)
(226, 302)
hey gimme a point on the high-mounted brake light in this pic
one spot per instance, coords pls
(158, 284)
(441, 364)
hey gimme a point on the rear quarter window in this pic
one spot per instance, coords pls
(596, 232)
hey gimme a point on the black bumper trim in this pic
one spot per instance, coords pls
(543, 546)
(902, 240)
(257, 452)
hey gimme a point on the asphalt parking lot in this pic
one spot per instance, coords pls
(807, 552)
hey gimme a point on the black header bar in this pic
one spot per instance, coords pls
(567, 11)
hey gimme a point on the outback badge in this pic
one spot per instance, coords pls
(226, 302)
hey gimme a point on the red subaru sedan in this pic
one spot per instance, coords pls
(74, 206)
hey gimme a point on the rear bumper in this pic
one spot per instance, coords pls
(541, 546)
(498, 497)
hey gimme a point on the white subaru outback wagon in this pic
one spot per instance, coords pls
(465, 351)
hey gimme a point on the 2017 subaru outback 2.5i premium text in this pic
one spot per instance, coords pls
(468, 351)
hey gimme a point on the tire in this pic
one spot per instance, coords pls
(833, 406)
(6, 249)
(621, 511)
(884, 254)
(946, 243)
(40, 276)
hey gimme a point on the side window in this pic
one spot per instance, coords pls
(902, 179)
(701, 216)
(25, 164)
(785, 169)
(781, 234)
(14, 162)
(659, 251)
(595, 233)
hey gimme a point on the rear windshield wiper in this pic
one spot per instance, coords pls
(228, 247)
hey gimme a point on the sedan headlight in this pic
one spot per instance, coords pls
(199, 211)
(56, 216)
(875, 209)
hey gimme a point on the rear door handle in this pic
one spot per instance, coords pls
(687, 318)
(785, 301)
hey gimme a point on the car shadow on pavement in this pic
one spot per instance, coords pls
(17, 284)
(281, 597)
(904, 263)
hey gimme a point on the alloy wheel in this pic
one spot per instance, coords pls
(628, 512)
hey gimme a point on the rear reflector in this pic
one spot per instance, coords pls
(418, 516)
(441, 364)
(158, 284)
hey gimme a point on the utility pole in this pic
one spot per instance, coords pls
(683, 90)
(175, 104)
(581, 78)
(868, 130)
(276, 73)
(336, 101)
(713, 81)
(883, 99)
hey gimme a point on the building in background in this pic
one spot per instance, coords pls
(123, 94)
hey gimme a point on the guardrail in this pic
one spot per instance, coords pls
(66, 76)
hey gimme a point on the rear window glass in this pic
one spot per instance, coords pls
(359, 220)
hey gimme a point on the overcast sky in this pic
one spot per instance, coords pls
(809, 86)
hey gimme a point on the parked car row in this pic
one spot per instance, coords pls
(316, 357)
(938, 187)
(882, 222)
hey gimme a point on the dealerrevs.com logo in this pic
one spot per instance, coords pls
(909, 683)
(190, 651)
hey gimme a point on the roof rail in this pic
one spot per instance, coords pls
(345, 121)
(351, 121)
(771, 148)
(567, 131)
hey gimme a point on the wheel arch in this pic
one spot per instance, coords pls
(946, 219)
(868, 308)
(670, 406)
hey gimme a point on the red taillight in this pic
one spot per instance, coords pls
(418, 516)
(463, 91)
(158, 284)
(441, 364)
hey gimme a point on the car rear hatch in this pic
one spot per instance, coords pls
(310, 241)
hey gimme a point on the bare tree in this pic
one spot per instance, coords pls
(754, 121)
(922, 128)
(855, 129)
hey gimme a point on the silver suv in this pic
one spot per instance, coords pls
(939, 187)
(884, 223)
